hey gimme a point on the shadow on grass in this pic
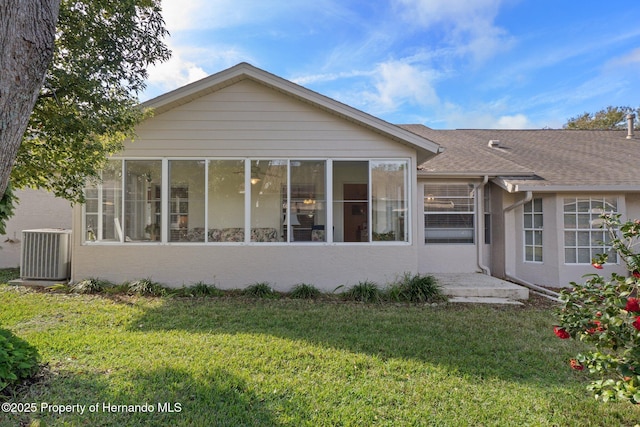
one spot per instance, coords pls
(163, 397)
(483, 342)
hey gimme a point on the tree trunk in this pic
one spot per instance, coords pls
(27, 34)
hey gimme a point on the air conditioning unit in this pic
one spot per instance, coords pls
(46, 254)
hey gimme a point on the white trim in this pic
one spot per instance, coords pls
(164, 207)
(248, 189)
(532, 229)
(329, 226)
(328, 234)
(561, 199)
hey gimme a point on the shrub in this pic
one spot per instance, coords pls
(18, 359)
(260, 290)
(8, 274)
(605, 314)
(146, 287)
(366, 291)
(90, 286)
(202, 290)
(304, 291)
(416, 288)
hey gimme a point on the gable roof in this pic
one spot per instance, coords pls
(424, 147)
(538, 160)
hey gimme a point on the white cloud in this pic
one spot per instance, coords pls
(460, 12)
(328, 77)
(397, 83)
(486, 116)
(469, 25)
(182, 15)
(187, 65)
(174, 73)
(518, 121)
(630, 58)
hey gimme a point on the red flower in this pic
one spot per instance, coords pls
(597, 327)
(636, 274)
(562, 332)
(597, 265)
(576, 365)
(633, 305)
(636, 323)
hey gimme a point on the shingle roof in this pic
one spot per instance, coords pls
(538, 159)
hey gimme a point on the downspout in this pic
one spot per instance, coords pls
(480, 208)
(538, 289)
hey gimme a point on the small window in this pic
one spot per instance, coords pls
(449, 213)
(533, 225)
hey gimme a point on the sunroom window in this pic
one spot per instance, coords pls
(249, 201)
(449, 213)
(308, 205)
(225, 208)
(268, 180)
(103, 208)
(186, 200)
(142, 200)
(583, 237)
(389, 201)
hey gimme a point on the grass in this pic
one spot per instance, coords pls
(288, 362)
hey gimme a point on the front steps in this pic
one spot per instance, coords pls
(480, 288)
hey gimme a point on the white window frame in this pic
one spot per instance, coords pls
(534, 230)
(435, 198)
(247, 205)
(593, 214)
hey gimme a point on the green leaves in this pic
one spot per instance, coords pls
(610, 118)
(7, 204)
(88, 106)
(605, 313)
(18, 359)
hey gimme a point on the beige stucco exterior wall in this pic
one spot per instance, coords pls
(248, 120)
(37, 209)
(553, 271)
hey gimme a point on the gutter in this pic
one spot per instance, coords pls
(480, 226)
(537, 289)
(527, 198)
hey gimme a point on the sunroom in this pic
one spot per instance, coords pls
(244, 177)
(249, 201)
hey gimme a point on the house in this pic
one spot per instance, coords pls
(538, 198)
(245, 177)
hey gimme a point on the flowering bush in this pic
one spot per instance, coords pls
(605, 313)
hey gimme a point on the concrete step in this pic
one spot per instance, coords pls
(480, 286)
(484, 300)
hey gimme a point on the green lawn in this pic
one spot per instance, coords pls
(237, 361)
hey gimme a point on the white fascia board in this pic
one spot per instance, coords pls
(476, 174)
(512, 187)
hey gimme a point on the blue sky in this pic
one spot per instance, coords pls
(443, 63)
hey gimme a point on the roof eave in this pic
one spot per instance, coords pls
(541, 187)
(492, 174)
